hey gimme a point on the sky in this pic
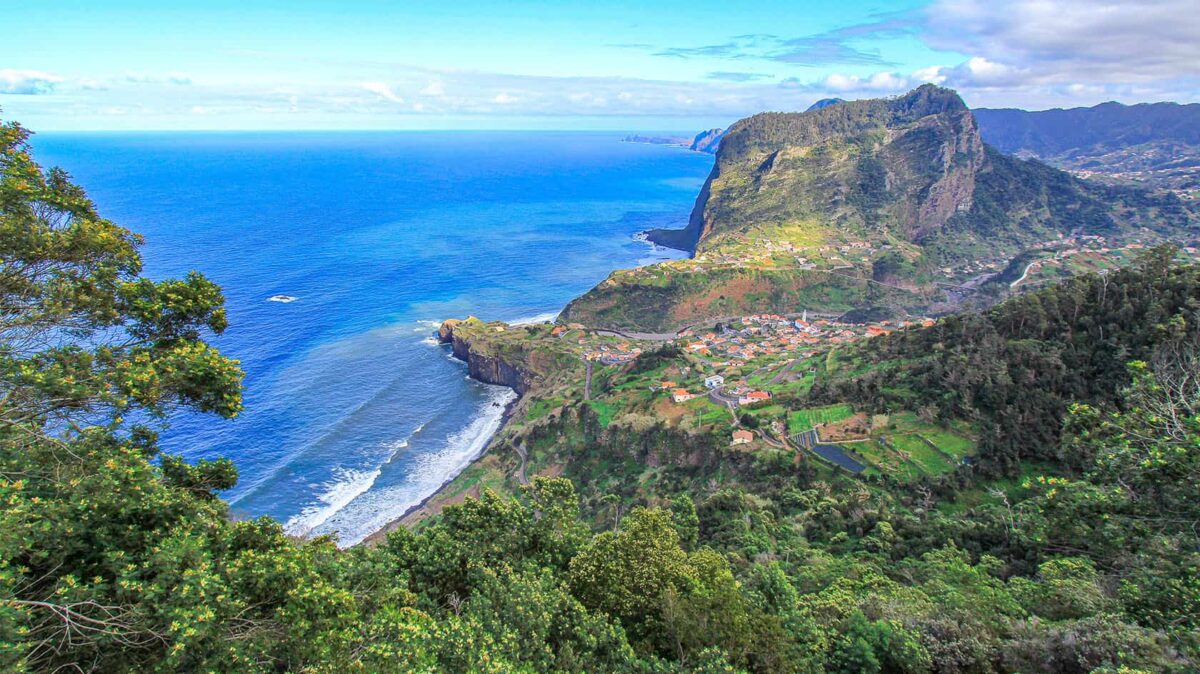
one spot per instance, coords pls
(518, 64)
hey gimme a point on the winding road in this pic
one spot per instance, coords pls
(524, 460)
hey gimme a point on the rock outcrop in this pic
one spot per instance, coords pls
(708, 141)
(484, 367)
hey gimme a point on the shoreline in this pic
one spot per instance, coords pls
(377, 536)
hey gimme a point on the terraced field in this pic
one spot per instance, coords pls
(802, 420)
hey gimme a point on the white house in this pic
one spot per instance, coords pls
(715, 381)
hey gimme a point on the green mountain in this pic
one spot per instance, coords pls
(1155, 143)
(1027, 501)
(884, 201)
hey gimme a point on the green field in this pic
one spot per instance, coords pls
(605, 410)
(928, 459)
(802, 420)
(954, 445)
(883, 459)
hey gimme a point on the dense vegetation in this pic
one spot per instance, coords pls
(117, 558)
(1154, 143)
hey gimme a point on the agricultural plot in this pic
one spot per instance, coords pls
(884, 460)
(928, 459)
(802, 420)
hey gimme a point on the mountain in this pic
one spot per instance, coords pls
(708, 141)
(871, 202)
(1157, 143)
(824, 103)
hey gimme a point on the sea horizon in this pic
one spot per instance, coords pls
(353, 413)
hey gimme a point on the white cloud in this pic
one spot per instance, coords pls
(879, 82)
(27, 82)
(434, 88)
(382, 90)
(1068, 41)
(504, 99)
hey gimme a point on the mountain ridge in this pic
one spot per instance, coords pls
(900, 191)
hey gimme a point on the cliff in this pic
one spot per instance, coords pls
(859, 204)
(504, 355)
(708, 141)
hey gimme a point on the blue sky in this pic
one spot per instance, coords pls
(304, 64)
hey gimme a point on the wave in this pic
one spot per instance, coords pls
(372, 509)
(547, 317)
(346, 485)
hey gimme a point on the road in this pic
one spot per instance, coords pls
(1024, 274)
(643, 336)
(524, 460)
(587, 380)
(783, 371)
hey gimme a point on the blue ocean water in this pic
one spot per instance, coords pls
(353, 414)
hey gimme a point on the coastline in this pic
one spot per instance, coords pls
(408, 517)
(377, 536)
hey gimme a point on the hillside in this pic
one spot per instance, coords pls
(885, 202)
(871, 450)
(1008, 491)
(1153, 143)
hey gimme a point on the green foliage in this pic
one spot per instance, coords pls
(116, 558)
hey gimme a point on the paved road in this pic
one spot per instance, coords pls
(1024, 274)
(783, 371)
(587, 380)
(524, 460)
(643, 336)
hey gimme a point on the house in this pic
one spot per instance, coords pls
(715, 381)
(754, 397)
(681, 395)
(741, 437)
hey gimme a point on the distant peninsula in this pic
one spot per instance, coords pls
(705, 141)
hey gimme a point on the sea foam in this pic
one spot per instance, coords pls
(370, 509)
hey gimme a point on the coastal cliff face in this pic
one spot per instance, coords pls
(483, 367)
(496, 353)
(902, 166)
(872, 203)
(708, 141)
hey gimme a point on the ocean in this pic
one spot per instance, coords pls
(353, 413)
